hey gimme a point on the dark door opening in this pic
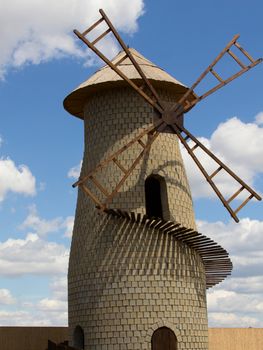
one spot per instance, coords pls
(164, 339)
(78, 338)
(155, 196)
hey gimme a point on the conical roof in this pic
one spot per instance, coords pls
(108, 78)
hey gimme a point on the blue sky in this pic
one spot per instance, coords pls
(41, 145)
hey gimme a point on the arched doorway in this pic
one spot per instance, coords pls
(164, 339)
(78, 338)
(156, 200)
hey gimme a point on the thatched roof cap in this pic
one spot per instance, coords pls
(106, 78)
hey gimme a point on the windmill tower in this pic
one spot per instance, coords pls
(138, 269)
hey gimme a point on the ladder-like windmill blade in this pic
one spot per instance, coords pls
(184, 100)
(91, 179)
(149, 94)
(184, 135)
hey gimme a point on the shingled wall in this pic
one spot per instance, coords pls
(125, 281)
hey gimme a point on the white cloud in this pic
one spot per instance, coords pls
(16, 318)
(1, 141)
(55, 308)
(68, 224)
(221, 300)
(259, 118)
(240, 142)
(52, 305)
(17, 179)
(221, 319)
(74, 172)
(35, 256)
(32, 255)
(31, 317)
(58, 288)
(248, 284)
(35, 31)
(239, 146)
(41, 226)
(6, 297)
(43, 312)
(227, 308)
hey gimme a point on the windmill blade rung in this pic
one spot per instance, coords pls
(235, 194)
(216, 172)
(215, 74)
(99, 186)
(101, 36)
(242, 65)
(93, 26)
(187, 103)
(244, 203)
(244, 52)
(194, 147)
(141, 143)
(119, 165)
(121, 60)
(92, 196)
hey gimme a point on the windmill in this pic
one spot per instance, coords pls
(126, 265)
